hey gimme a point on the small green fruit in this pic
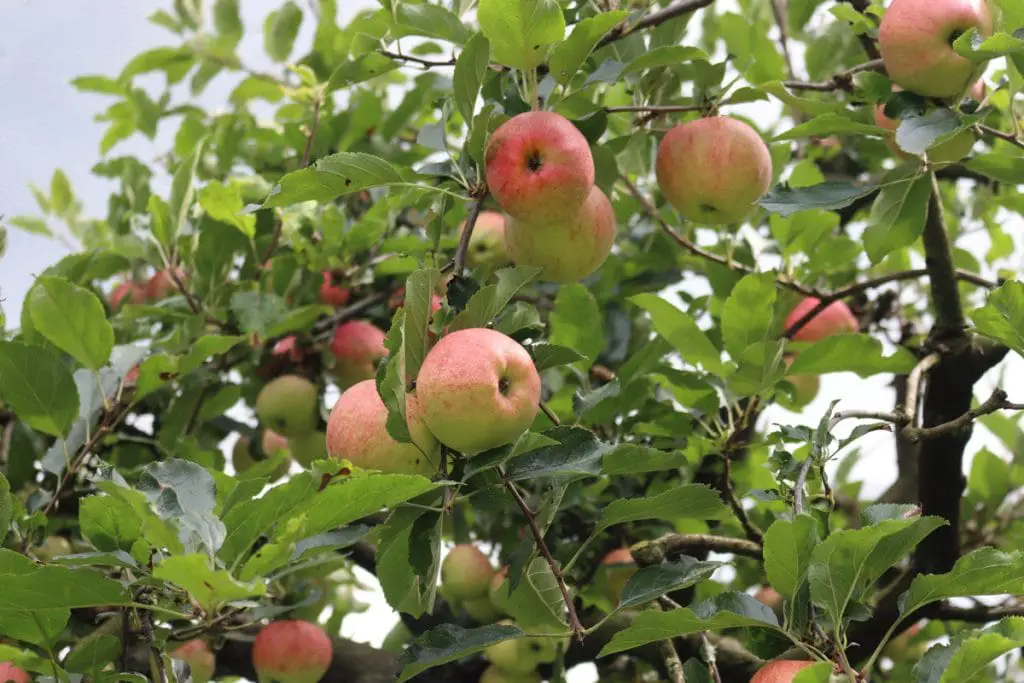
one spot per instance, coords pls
(288, 405)
(466, 573)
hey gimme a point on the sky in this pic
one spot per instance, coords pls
(46, 124)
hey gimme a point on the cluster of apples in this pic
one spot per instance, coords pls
(158, 287)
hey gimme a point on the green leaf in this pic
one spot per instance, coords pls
(487, 302)
(335, 175)
(92, 653)
(829, 196)
(991, 478)
(536, 602)
(649, 583)
(470, 69)
(52, 587)
(73, 318)
(224, 203)
(208, 587)
(431, 21)
(689, 501)
(247, 520)
(974, 655)
(258, 311)
(31, 224)
(680, 330)
(858, 353)
(1005, 168)
(228, 21)
(787, 552)
(183, 189)
(6, 507)
(449, 642)
(577, 323)
(899, 213)
(160, 222)
(419, 294)
(362, 68)
(1002, 316)
(747, 313)
(824, 125)
(983, 572)
(185, 493)
(552, 355)
(978, 48)
(102, 85)
(917, 134)
(569, 56)
(360, 495)
(109, 523)
(408, 557)
(578, 453)
(520, 31)
(628, 458)
(37, 385)
(166, 59)
(280, 30)
(62, 198)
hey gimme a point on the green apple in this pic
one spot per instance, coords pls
(487, 243)
(288, 405)
(309, 448)
(493, 674)
(466, 572)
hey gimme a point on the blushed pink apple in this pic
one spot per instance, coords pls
(836, 318)
(331, 294)
(951, 150)
(162, 284)
(771, 598)
(10, 672)
(916, 41)
(357, 346)
(291, 651)
(127, 292)
(199, 658)
(570, 249)
(539, 167)
(357, 432)
(713, 169)
(779, 671)
(479, 390)
(288, 346)
(487, 243)
(288, 405)
(466, 572)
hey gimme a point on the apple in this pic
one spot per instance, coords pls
(493, 674)
(769, 597)
(309, 448)
(291, 651)
(288, 346)
(288, 405)
(199, 658)
(487, 243)
(357, 432)
(950, 151)
(903, 647)
(331, 294)
(357, 346)
(805, 388)
(539, 167)
(521, 655)
(397, 638)
(497, 591)
(482, 610)
(162, 285)
(127, 291)
(616, 569)
(570, 249)
(466, 572)
(836, 318)
(10, 672)
(713, 169)
(916, 41)
(779, 671)
(53, 546)
(478, 389)
(242, 459)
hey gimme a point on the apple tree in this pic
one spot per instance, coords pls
(523, 306)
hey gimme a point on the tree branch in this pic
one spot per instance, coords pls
(996, 133)
(674, 10)
(950, 321)
(673, 666)
(978, 614)
(997, 401)
(342, 314)
(425, 63)
(467, 235)
(780, 21)
(5, 444)
(672, 545)
(842, 80)
(655, 108)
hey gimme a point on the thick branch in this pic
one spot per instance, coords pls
(672, 545)
(978, 614)
(938, 252)
(676, 9)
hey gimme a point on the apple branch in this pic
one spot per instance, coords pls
(425, 63)
(674, 10)
(994, 403)
(672, 545)
(673, 665)
(780, 21)
(655, 108)
(950, 321)
(842, 80)
(5, 444)
(996, 133)
(327, 325)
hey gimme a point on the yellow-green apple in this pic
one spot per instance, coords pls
(288, 405)
(836, 318)
(242, 459)
(53, 546)
(357, 347)
(487, 243)
(466, 572)
(11, 673)
(291, 651)
(493, 674)
(497, 591)
(331, 294)
(308, 448)
(199, 658)
(127, 292)
(779, 671)
(805, 390)
(916, 41)
(514, 656)
(162, 284)
(357, 432)
(482, 610)
(713, 169)
(951, 150)
(615, 570)
(479, 389)
(539, 167)
(569, 249)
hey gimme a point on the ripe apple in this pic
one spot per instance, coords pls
(199, 658)
(770, 597)
(291, 651)
(479, 390)
(916, 41)
(309, 448)
(493, 674)
(128, 291)
(288, 346)
(357, 432)
(539, 167)
(242, 459)
(950, 151)
(357, 347)
(779, 671)
(570, 249)
(616, 569)
(466, 572)
(288, 405)
(162, 285)
(331, 294)
(10, 672)
(713, 169)
(487, 243)
(836, 318)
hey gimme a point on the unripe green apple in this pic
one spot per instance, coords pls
(291, 651)
(539, 167)
(805, 390)
(309, 448)
(487, 243)
(779, 671)
(569, 249)
(482, 609)
(949, 151)
(357, 432)
(615, 571)
(836, 318)
(713, 169)
(358, 347)
(916, 41)
(53, 546)
(331, 294)
(288, 405)
(9, 672)
(521, 655)
(242, 459)
(466, 572)
(162, 284)
(478, 389)
(202, 662)
(497, 591)
(493, 674)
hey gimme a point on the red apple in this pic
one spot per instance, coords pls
(10, 672)
(836, 318)
(949, 151)
(713, 169)
(466, 572)
(616, 569)
(539, 167)
(479, 390)
(570, 249)
(162, 285)
(127, 291)
(288, 346)
(487, 243)
(398, 299)
(331, 294)
(779, 671)
(357, 432)
(357, 346)
(291, 651)
(199, 658)
(916, 41)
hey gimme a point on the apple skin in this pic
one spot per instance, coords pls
(309, 448)
(770, 598)
(539, 167)
(53, 546)
(357, 346)
(570, 249)
(357, 432)
(466, 572)
(162, 285)
(200, 659)
(331, 294)
(915, 39)
(497, 591)
(949, 151)
(288, 405)
(10, 672)
(836, 318)
(713, 169)
(616, 569)
(127, 292)
(487, 243)
(291, 651)
(779, 671)
(479, 389)
(482, 610)
(493, 674)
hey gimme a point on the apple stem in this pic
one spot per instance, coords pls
(550, 414)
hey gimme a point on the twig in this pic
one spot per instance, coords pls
(801, 482)
(996, 133)
(467, 234)
(949, 314)
(425, 63)
(653, 19)
(709, 657)
(672, 545)
(780, 21)
(914, 385)
(673, 665)
(751, 531)
(342, 314)
(193, 303)
(574, 621)
(550, 414)
(996, 402)
(656, 108)
(5, 444)
(895, 418)
(842, 80)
